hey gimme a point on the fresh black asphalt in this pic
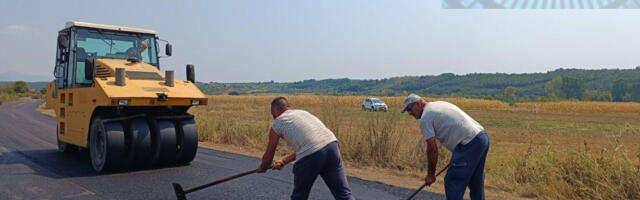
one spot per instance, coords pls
(32, 168)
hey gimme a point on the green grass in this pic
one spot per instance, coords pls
(555, 126)
(10, 97)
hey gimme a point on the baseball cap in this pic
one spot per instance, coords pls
(412, 98)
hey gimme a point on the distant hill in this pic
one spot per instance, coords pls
(529, 85)
(18, 76)
(35, 85)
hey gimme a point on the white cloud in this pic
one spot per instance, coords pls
(16, 28)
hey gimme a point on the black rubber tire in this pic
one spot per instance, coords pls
(63, 146)
(188, 132)
(155, 143)
(107, 146)
(166, 140)
(141, 143)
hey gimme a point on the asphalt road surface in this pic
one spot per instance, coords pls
(32, 168)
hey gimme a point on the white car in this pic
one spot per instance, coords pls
(374, 104)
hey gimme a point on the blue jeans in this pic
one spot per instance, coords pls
(467, 169)
(326, 162)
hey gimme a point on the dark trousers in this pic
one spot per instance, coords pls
(467, 169)
(326, 162)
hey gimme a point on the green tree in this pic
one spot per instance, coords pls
(596, 95)
(634, 93)
(510, 94)
(620, 89)
(572, 88)
(553, 88)
(20, 87)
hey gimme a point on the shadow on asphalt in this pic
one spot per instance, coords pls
(54, 164)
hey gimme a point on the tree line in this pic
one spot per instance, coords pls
(578, 84)
(573, 88)
(18, 87)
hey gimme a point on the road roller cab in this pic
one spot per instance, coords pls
(111, 97)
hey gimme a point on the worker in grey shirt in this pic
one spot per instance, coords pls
(316, 151)
(459, 133)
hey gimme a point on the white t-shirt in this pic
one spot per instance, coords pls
(304, 132)
(449, 124)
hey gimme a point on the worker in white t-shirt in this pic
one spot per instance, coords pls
(316, 151)
(459, 133)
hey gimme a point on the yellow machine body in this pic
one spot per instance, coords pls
(74, 107)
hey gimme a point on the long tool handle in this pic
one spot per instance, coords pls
(416, 192)
(221, 181)
(425, 184)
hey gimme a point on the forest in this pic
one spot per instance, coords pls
(577, 84)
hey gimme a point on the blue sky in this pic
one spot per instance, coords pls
(241, 41)
(542, 4)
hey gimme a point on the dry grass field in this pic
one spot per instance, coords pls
(9, 97)
(550, 150)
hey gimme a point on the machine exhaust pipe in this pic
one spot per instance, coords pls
(168, 78)
(120, 77)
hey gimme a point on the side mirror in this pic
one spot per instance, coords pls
(167, 49)
(89, 66)
(57, 71)
(191, 74)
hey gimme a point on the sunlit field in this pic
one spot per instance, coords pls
(549, 150)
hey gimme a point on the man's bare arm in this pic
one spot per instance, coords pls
(432, 155)
(267, 158)
(289, 158)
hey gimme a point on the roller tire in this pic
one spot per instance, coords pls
(166, 140)
(155, 143)
(188, 140)
(107, 146)
(141, 147)
(63, 146)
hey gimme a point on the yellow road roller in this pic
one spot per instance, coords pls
(111, 97)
